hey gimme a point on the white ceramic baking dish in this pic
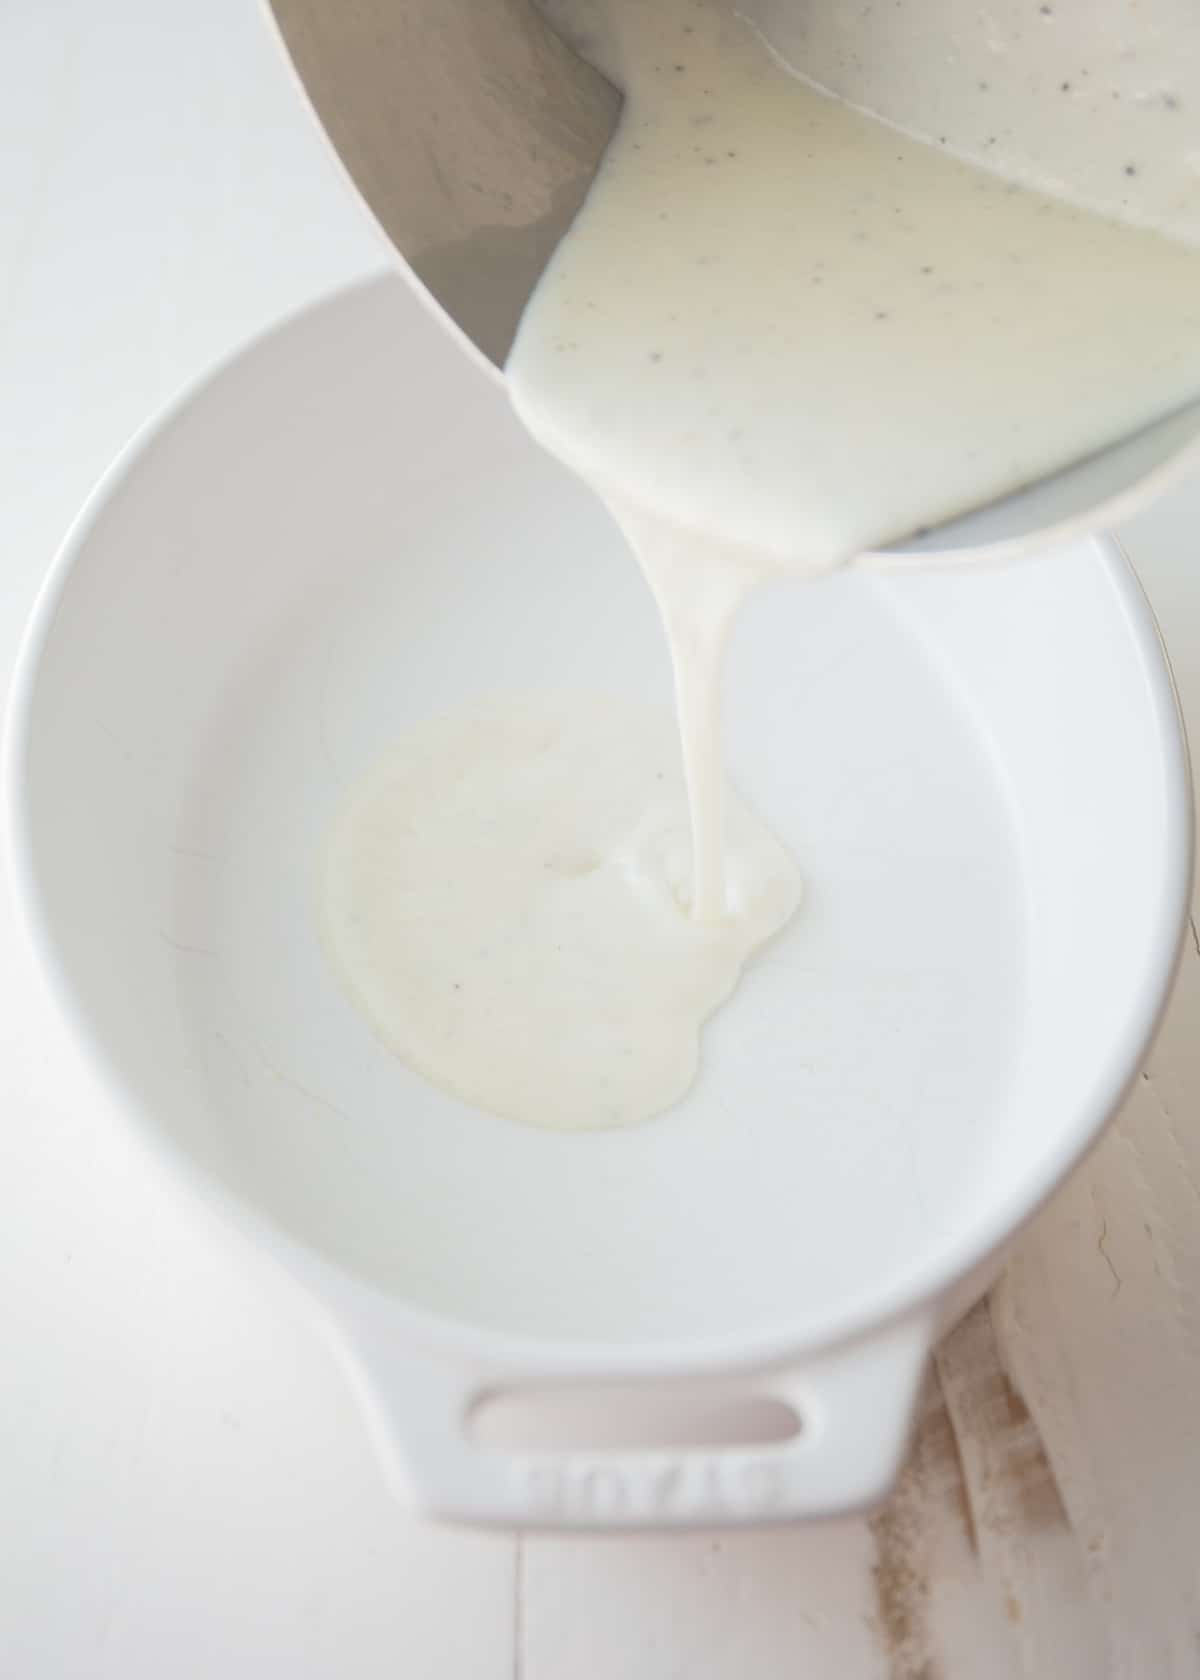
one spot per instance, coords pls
(722, 1315)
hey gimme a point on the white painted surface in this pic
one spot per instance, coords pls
(186, 1488)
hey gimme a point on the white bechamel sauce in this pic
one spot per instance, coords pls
(785, 325)
(1096, 101)
(507, 898)
(780, 333)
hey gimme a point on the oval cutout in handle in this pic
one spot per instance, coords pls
(635, 1418)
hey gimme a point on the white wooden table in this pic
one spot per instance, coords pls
(185, 1488)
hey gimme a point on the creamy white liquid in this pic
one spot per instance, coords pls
(780, 323)
(780, 333)
(507, 896)
(1096, 101)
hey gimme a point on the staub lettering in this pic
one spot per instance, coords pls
(601, 1490)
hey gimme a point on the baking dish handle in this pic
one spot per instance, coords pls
(855, 1405)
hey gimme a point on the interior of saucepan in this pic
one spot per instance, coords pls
(345, 532)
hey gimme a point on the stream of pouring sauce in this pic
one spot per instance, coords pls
(780, 333)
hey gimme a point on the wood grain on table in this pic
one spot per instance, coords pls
(185, 1487)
